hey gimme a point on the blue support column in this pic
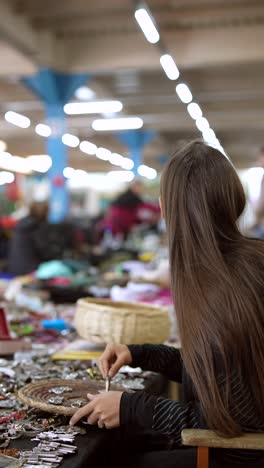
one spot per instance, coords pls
(55, 90)
(135, 140)
(59, 199)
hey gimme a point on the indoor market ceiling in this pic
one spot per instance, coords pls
(216, 44)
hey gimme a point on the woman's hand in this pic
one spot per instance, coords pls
(113, 358)
(103, 410)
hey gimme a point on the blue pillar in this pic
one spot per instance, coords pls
(135, 140)
(55, 90)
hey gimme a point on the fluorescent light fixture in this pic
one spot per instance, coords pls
(84, 93)
(184, 93)
(80, 173)
(3, 146)
(169, 66)
(103, 153)
(209, 135)
(202, 124)
(14, 163)
(17, 119)
(127, 164)
(125, 123)
(96, 107)
(116, 159)
(40, 163)
(121, 176)
(152, 174)
(43, 130)
(68, 172)
(79, 179)
(194, 110)
(6, 177)
(146, 171)
(147, 25)
(221, 149)
(215, 143)
(21, 165)
(70, 140)
(5, 157)
(88, 147)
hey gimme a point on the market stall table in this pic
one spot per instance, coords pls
(104, 448)
(96, 444)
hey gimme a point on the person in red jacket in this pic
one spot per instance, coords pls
(128, 210)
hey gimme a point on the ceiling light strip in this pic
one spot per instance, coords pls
(149, 28)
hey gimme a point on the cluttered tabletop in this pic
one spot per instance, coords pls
(48, 362)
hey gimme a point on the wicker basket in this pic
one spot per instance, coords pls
(105, 321)
(37, 394)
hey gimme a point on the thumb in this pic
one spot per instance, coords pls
(90, 396)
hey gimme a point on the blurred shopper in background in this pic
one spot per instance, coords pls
(29, 242)
(129, 210)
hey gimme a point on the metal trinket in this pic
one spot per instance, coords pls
(7, 403)
(56, 400)
(133, 384)
(77, 404)
(71, 376)
(60, 390)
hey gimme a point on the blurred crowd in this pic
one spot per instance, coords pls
(28, 239)
(27, 242)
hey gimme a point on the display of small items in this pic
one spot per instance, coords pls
(58, 399)
(127, 377)
(52, 447)
(55, 439)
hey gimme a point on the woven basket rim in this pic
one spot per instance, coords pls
(42, 405)
(115, 305)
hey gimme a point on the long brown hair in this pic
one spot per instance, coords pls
(217, 279)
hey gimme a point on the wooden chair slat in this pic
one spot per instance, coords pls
(206, 438)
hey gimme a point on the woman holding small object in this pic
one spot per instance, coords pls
(217, 281)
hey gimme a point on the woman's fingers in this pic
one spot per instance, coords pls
(93, 418)
(104, 366)
(114, 357)
(105, 360)
(100, 424)
(103, 409)
(116, 366)
(82, 412)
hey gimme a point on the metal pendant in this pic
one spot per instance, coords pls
(60, 390)
(56, 400)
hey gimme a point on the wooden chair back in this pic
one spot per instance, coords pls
(205, 439)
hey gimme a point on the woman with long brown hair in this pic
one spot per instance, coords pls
(217, 281)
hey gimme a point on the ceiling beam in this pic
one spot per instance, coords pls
(17, 31)
(191, 48)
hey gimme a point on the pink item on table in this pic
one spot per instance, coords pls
(59, 281)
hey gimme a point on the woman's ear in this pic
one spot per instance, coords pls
(161, 208)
